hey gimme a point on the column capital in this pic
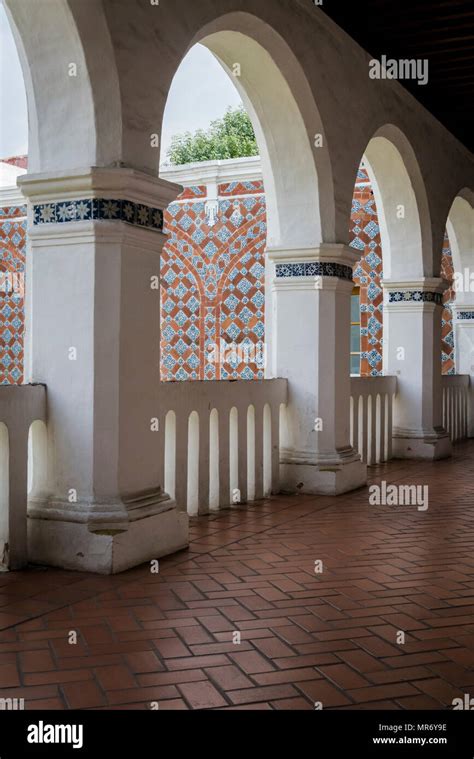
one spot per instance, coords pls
(327, 266)
(326, 253)
(97, 194)
(415, 291)
(463, 312)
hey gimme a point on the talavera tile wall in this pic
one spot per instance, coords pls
(213, 285)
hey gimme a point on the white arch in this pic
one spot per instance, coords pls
(277, 96)
(74, 118)
(402, 206)
(460, 228)
(288, 165)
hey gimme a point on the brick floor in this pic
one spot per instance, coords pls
(242, 620)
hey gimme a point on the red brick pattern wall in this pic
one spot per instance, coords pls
(213, 286)
(365, 237)
(447, 332)
(12, 264)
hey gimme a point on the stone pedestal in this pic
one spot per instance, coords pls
(93, 326)
(311, 347)
(412, 352)
(463, 326)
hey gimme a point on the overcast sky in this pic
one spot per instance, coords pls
(13, 115)
(201, 92)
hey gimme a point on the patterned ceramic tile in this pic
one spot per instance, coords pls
(313, 269)
(447, 332)
(12, 266)
(213, 321)
(99, 209)
(213, 279)
(414, 296)
(365, 237)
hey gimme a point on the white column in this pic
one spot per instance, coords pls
(463, 326)
(311, 347)
(412, 353)
(93, 318)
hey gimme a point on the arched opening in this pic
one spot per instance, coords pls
(89, 100)
(290, 175)
(402, 206)
(13, 223)
(401, 319)
(390, 227)
(214, 265)
(460, 229)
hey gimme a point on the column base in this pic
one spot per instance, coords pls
(428, 446)
(323, 477)
(74, 546)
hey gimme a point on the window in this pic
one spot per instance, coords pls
(355, 331)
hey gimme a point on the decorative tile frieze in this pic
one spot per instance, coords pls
(465, 315)
(415, 296)
(313, 269)
(99, 209)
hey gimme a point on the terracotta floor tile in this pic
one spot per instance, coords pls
(115, 677)
(202, 695)
(323, 692)
(229, 678)
(251, 662)
(9, 677)
(267, 693)
(343, 676)
(83, 695)
(36, 661)
(332, 638)
(171, 648)
(143, 661)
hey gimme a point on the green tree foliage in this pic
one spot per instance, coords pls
(232, 136)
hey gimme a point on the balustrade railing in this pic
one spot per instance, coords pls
(22, 465)
(456, 388)
(221, 441)
(371, 417)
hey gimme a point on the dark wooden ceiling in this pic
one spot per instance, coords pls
(441, 31)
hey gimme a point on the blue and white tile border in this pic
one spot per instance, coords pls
(99, 209)
(415, 296)
(465, 315)
(313, 269)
